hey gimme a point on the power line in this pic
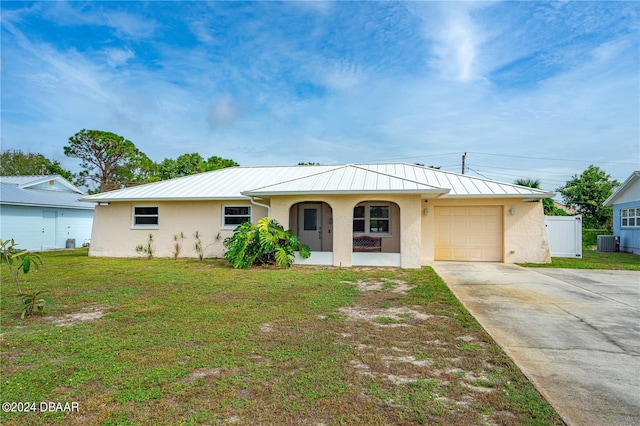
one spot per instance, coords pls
(413, 157)
(552, 159)
(511, 168)
(478, 173)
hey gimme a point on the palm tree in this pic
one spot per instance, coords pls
(528, 182)
(548, 205)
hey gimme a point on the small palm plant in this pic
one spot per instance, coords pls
(266, 243)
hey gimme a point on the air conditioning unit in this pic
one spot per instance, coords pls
(608, 243)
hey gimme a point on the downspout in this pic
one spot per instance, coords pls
(261, 205)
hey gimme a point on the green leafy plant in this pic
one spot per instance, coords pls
(147, 249)
(266, 243)
(178, 239)
(18, 260)
(33, 302)
(23, 260)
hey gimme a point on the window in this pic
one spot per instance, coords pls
(630, 217)
(146, 217)
(233, 216)
(310, 219)
(371, 218)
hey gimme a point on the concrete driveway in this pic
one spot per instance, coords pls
(574, 333)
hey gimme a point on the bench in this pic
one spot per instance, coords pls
(367, 244)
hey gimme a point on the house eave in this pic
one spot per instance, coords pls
(49, 206)
(160, 199)
(516, 196)
(609, 202)
(267, 195)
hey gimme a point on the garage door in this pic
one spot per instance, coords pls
(469, 233)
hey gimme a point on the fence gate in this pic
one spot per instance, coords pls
(565, 235)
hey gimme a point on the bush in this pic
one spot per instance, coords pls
(590, 236)
(266, 243)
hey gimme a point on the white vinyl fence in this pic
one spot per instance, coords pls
(565, 235)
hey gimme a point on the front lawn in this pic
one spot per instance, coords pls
(592, 259)
(161, 341)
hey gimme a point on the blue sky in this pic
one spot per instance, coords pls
(527, 89)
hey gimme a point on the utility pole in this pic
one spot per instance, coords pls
(464, 157)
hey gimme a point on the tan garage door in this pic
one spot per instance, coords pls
(471, 233)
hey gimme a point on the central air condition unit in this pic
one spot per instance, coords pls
(608, 243)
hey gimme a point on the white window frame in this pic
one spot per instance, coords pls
(628, 215)
(224, 215)
(367, 219)
(144, 226)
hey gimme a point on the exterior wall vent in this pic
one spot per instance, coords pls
(608, 243)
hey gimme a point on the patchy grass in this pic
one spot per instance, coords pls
(592, 259)
(162, 341)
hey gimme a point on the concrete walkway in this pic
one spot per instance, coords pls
(574, 333)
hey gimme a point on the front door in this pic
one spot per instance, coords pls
(49, 229)
(310, 225)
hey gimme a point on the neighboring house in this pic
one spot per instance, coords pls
(415, 214)
(43, 212)
(568, 210)
(626, 213)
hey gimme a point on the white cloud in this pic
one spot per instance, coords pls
(118, 57)
(457, 39)
(360, 105)
(342, 75)
(202, 32)
(224, 112)
(130, 25)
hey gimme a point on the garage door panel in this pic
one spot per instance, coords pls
(459, 240)
(471, 233)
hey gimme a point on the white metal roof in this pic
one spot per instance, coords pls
(241, 182)
(349, 179)
(28, 191)
(460, 185)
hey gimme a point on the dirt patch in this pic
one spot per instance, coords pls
(383, 284)
(409, 359)
(266, 327)
(400, 314)
(201, 373)
(91, 313)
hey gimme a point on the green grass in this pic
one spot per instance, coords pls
(592, 259)
(189, 342)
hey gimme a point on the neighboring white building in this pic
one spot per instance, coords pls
(43, 212)
(411, 214)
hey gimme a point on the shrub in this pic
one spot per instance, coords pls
(590, 236)
(266, 243)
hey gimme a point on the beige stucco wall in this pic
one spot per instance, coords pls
(114, 236)
(525, 235)
(525, 238)
(407, 222)
(390, 243)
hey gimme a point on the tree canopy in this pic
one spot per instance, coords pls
(587, 192)
(189, 164)
(18, 163)
(108, 160)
